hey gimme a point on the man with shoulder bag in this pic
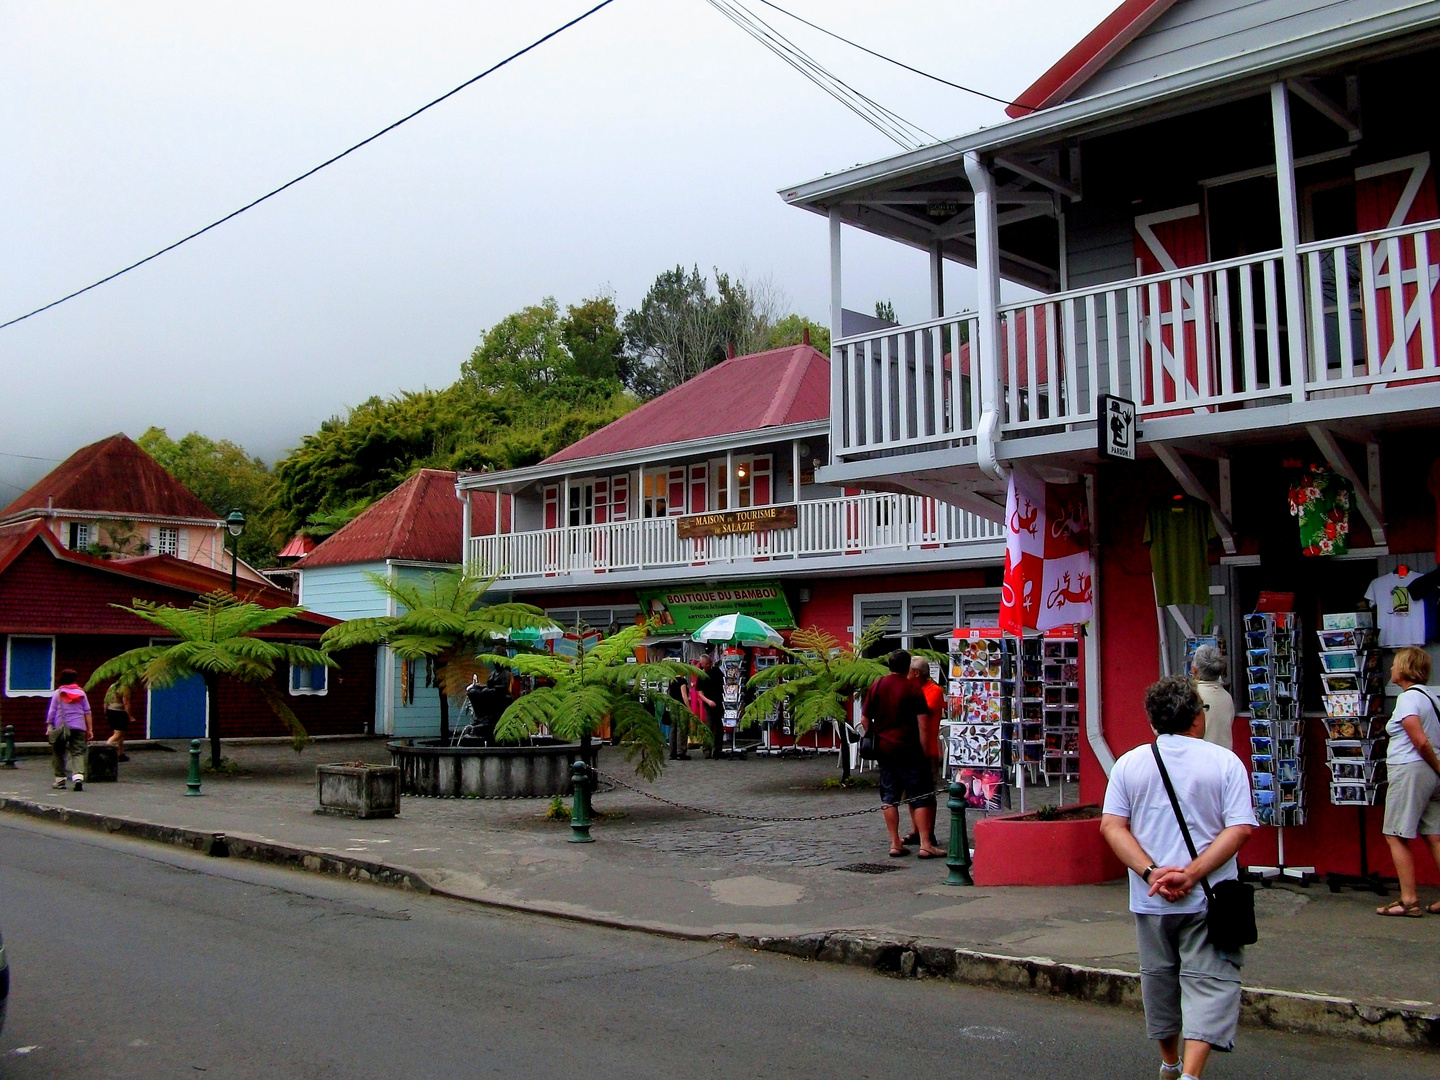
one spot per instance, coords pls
(1176, 813)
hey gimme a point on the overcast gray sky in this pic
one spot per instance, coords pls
(654, 133)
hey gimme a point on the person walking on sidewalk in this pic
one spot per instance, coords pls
(929, 735)
(1412, 801)
(893, 709)
(69, 727)
(117, 715)
(1190, 989)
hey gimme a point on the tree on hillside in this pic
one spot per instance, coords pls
(223, 476)
(215, 638)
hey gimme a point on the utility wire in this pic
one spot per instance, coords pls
(29, 457)
(311, 172)
(887, 59)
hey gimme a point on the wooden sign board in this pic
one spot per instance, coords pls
(737, 521)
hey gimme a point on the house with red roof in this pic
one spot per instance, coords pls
(58, 609)
(415, 530)
(705, 501)
(113, 498)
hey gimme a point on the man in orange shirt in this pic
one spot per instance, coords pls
(929, 731)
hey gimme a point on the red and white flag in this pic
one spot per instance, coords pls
(1047, 555)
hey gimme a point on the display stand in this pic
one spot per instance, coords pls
(1367, 879)
(732, 679)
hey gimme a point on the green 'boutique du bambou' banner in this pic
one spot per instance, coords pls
(684, 610)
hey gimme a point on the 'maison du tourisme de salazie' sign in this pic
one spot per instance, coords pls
(737, 521)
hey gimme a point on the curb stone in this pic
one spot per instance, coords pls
(1384, 1023)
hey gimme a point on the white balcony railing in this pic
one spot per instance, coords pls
(826, 527)
(1200, 339)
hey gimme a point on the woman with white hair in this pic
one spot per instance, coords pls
(1208, 668)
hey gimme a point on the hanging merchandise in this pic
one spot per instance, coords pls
(1178, 533)
(1277, 761)
(1320, 498)
(1354, 701)
(1400, 616)
(1048, 574)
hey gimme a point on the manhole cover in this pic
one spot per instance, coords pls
(869, 867)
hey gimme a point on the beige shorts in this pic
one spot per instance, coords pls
(1412, 801)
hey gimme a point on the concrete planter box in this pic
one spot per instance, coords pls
(1020, 849)
(102, 763)
(362, 791)
(487, 772)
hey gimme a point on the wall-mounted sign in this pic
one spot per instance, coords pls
(737, 521)
(687, 609)
(1117, 427)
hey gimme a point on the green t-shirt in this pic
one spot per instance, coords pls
(1179, 534)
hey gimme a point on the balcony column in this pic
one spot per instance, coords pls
(1289, 238)
(794, 471)
(837, 354)
(987, 268)
(937, 279)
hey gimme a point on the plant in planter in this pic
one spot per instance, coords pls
(600, 682)
(215, 639)
(445, 621)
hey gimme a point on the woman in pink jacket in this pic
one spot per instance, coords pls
(69, 726)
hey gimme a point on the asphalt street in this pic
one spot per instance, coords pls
(135, 960)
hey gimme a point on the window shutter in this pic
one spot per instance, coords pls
(154, 540)
(699, 483)
(675, 491)
(602, 501)
(760, 481)
(182, 544)
(552, 506)
(620, 497)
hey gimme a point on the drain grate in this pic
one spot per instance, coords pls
(869, 867)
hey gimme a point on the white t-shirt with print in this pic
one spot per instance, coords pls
(1214, 793)
(1400, 616)
(1412, 702)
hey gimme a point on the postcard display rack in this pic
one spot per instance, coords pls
(1273, 648)
(732, 684)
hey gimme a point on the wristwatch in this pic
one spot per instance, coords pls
(1145, 877)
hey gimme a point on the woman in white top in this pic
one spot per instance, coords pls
(1412, 801)
(1208, 668)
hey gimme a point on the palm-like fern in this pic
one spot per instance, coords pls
(444, 620)
(599, 682)
(214, 639)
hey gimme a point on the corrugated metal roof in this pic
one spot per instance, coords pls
(422, 520)
(742, 394)
(112, 476)
(299, 545)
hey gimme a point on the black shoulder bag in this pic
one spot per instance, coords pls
(1230, 912)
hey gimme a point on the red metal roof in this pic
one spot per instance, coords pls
(112, 476)
(299, 545)
(745, 393)
(422, 520)
(72, 593)
(1094, 51)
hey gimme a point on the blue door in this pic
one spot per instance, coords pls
(178, 711)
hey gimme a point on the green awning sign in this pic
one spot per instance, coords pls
(684, 610)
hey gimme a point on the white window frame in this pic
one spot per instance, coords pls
(10, 667)
(76, 530)
(163, 533)
(301, 691)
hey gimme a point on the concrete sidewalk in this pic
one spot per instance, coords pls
(793, 885)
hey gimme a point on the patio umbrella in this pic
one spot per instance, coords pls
(532, 636)
(737, 630)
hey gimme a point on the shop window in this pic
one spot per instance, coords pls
(80, 536)
(29, 666)
(305, 679)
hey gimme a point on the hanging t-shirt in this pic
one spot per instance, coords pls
(1401, 617)
(1321, 500)
(1179, 534)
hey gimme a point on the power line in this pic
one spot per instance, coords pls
(30, 457)
(311, 172)
(887, 59)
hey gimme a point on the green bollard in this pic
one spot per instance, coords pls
(958, 857)
(580, 804)
(192, 782)
(7, 748)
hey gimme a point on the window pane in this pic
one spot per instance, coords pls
(31, 665)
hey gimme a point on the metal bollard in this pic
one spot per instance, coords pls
(580, 804)
(7, 748)
(958, 857)
(192, 782)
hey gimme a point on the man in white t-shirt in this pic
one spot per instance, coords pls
(1190, 988)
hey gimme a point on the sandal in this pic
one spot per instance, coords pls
(1434, 909)
(899, 853)
(930, 854)
(1397, 909)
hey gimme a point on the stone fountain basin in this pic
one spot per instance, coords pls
(486, 772)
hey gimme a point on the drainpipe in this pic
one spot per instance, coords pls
(1094, 725)
(987, 267)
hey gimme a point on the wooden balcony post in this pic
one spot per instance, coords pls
(1289, 239)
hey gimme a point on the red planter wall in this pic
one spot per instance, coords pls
(1017, 849)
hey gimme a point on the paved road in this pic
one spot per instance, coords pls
(132, 960)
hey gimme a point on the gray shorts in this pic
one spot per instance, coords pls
(1412, 801)
(1189, 987)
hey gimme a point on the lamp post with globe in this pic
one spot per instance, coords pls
(235, 525)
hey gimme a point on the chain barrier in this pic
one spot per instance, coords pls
(617, 782)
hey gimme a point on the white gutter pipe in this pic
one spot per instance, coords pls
(987, 267)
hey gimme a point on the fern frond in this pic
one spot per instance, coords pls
(640, 736)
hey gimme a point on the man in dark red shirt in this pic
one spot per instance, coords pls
(893, 708)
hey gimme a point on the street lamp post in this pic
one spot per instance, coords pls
(235, 525)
